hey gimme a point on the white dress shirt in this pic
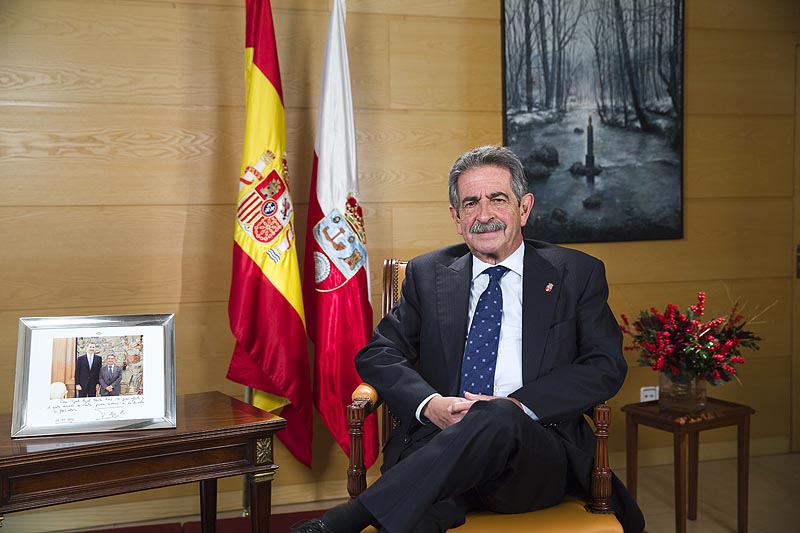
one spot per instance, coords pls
(508, 370)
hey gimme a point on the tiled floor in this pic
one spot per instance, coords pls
(774, 496)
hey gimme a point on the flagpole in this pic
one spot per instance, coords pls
(248, 398)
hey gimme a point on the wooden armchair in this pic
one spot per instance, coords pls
(571, 515)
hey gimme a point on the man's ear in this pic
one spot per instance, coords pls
(456, 220)
(525, 208)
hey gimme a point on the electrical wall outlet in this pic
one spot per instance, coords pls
(647, 394)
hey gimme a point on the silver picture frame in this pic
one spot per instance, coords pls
(139, 387)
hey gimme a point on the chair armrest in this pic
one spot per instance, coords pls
(365, 400)
(365, 391)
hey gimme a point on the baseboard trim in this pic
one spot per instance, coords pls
(710, 451)
(285, 499)
(297, 497)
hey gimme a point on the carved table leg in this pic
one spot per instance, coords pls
(260, 501)
(208, 505)
(260, 488)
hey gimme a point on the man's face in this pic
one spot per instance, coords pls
(91, 349)
(111, 360)
(489, 217)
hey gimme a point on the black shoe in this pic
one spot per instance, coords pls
(315, 525)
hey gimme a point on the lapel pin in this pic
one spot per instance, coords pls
(549, 287)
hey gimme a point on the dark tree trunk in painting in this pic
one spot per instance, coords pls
(528, 58)
(548, 84)
(629, 73)
(596, 34)
(551, 90)
(675, 61)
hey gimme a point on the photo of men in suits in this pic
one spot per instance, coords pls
(489, 361)
(87, 372)
(110, 377)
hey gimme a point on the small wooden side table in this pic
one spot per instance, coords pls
(215, 436)
(718, 413)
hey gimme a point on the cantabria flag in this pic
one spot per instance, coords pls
(336, 276)
(266, 302)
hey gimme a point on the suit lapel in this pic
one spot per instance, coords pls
(541, 284)
(452, 305)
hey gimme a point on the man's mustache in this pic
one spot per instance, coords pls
(486, 227)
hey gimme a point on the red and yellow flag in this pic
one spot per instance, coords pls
(336, 276)
(266, 302)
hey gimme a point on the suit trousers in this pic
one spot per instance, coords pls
(496, 456)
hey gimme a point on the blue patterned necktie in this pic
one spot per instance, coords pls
(480, 352)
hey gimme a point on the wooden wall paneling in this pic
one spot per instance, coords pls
(795, 315)
(445, 64)
(368, 55)
(774, 15)
(405, 156)
(739, 72)
(724, 239)
(300, 127)
(421, 227)
(448, 9)
(94, 255)
(206, 251)
(738, 156)
(301, 44)
(123, 52)
(89, 154)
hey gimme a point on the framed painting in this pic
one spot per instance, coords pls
(85, 374)
(593, 105)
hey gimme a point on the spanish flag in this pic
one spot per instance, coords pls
(266, 301)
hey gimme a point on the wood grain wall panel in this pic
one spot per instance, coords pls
(480, 9)
(421, 227)
(88, 154)
(136, 255)
(445, 64)
(740, 73)
(123, 52)
(301, 43)
(738, 156)
(774, 15)
(724, 239)
(405, 156)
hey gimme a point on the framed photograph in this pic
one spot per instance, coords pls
(85, 374)
(593, 105)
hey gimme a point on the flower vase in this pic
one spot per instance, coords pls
(688, 396)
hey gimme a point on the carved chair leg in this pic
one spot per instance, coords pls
(601, 473)
(356, 472)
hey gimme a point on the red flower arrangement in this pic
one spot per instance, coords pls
(684, 348)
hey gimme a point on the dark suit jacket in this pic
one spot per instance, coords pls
(86, 378)
(571, 348)
(110, 378)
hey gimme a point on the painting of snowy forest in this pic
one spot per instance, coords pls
(593, 105)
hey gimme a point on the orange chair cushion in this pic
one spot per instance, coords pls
(569, 516)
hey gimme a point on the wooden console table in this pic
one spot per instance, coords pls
(718, 413)
(215, 436)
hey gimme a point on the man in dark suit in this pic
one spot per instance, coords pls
(110, 377)
(87, 372)
(497, 426)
